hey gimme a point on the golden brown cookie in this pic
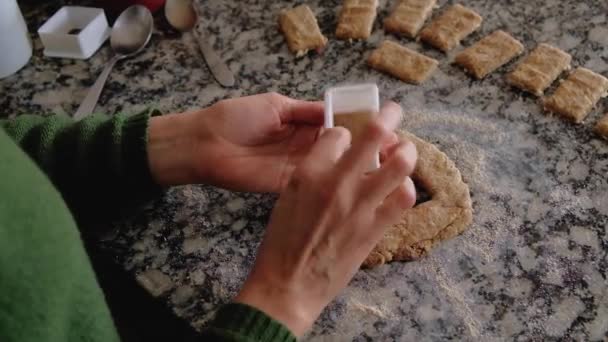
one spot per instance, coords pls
(356, 19)
(577, 95)
(452, 26)
(301, 30)
(401, 62)
(448, 213)
(408, 17)
(539, 69)
(489, 54)
(601, 127)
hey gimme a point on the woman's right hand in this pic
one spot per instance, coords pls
(327, 221)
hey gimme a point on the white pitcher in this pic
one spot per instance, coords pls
(15, 44)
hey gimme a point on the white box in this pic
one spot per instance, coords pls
(361, 100)
(74, 32)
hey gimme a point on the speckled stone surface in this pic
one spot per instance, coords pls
(533, 264)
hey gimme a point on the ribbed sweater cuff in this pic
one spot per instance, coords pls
(241, 322)
(135, 154)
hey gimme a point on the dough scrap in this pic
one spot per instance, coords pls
(539, 69)
(447, 214)
(577, 95)
(489, 54)
(601, 127)
(301, 30)
(408, 17)
(401, 62)
(452, 26)
(356, 19)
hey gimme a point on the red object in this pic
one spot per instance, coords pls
(117, 6)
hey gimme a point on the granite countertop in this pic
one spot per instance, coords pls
(533, 264)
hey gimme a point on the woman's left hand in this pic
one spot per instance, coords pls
(251, 143)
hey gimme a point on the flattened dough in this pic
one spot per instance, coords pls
(577, 95)
(401, 62)
(301, 30)
(539, 69)
(447, 214)
(601, 127)
(452, 26)
(408, 17)
(356, 19)
(489, 54)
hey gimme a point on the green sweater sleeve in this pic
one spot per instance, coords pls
(99, 164)
(237, 322)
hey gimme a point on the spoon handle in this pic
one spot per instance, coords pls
(218, 68)
(90, 101)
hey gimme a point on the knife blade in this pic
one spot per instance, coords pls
(216, 65)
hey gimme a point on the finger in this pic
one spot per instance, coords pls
(377, 133)
(391, 210)
(390, 116)
(302, 112)
(388, 147)
(328, 149)
(399, 165)
(359, 157)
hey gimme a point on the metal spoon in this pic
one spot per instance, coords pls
(182, 15)
(130, 34)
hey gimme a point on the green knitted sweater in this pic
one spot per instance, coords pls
(53, 173)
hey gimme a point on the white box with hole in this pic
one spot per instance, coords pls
(74, 32)
(353, 107)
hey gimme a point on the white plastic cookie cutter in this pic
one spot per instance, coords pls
(360, 102)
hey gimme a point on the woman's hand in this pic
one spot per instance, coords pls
(327, 221)
(248, 144)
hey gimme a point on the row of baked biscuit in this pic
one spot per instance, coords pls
(573, 99)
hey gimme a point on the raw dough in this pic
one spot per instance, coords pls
(601, 127)
(541, 68)
(445, 215)
(356, 19)
(301, 30)
(401, 62)
(489, 54)
(408, 16)
(576, 96)
(452, 26)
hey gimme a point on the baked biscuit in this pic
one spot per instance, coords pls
(301, 30)
(401, 62)
(539, 69)
(601, 127)
(356, 19)
(489, 54)
(408, 17)
(577, 94)
(452, 26)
